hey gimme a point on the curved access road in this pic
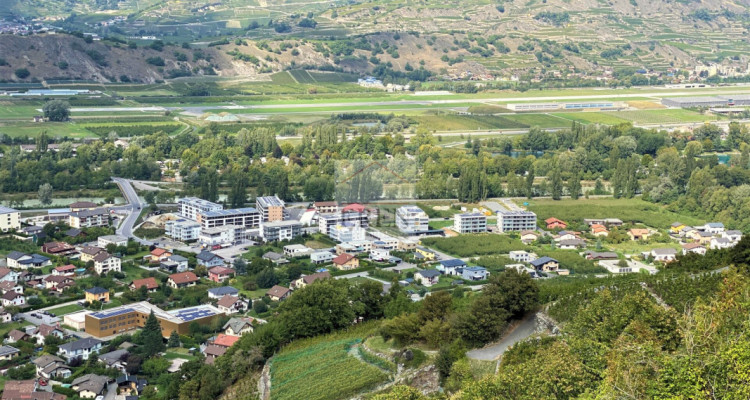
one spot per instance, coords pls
(133, 209)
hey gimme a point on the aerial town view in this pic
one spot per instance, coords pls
(374, 199)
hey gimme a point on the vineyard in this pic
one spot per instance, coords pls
(322, 368)
(134, 130)
(681, 293)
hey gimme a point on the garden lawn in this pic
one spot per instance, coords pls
(628, 210)
(68, 309)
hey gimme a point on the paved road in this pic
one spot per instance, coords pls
(523, 330)
(133, 208)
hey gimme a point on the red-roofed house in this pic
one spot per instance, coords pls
(231, 304)
(65, 270)
(554, 223)
(150, 284)
(225, 340)
(159, 254)
(219, 274)
(354, 207)
(346, 261)
(182, 279)
(278, 293)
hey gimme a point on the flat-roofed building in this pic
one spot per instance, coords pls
(412, 220)
(470, 223)
(191, 207)
(271, 208)
(9, 219)
(510, 221)
(689, 102)
(280, 230)
(89, 218)
(182, 229)
(127, 318)
(220, 235)
(248, 217)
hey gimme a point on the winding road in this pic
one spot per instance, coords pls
(133, 209)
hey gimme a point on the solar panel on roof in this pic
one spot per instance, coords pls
(108, 314)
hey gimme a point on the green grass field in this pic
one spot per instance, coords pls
(591, 118)
(68, 309)
(321, 368)
(671, 116)
(628, 210)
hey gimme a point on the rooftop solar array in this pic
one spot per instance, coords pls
(112, 313)
(190, 314)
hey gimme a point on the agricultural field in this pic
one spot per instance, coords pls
(670, 116)
(323, 368)
(591, 118)
(628, 210)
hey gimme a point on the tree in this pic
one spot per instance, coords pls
(56, 110)
(45, 194)
(22, 73)
(574, 186)
(317, 309)
(174, 339)
(200, 270)
(151, 338)
(530, 183)
(556, 184)
(267, 278)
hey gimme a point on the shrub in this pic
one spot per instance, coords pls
(22, 73)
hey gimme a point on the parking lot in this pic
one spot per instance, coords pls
(37, 318)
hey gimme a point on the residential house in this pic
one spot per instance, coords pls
(425, 253)
(380, 254)
(714, 227)
(8, 275)
(520, 255)
(346, 261)
(16, 259)
(13, 298)
(209, 259)
(220, 274)
(667, 254)
(64, 270)
(528, 237)
(232, 305)
(130, 385)
(639, 234)
(452, 266)
(97, 293)
(226, 341)
(182, 280)
(734, 236)
(239, 326)
(219, 292)
(566, 235)
(114, 359)
(5, 316)
(305, 280)
(326, 207)
(545, 264)
(49, 366)
(278, 293)
(600, 255)
(8, 353)
(721, 243)
(676, 227)
(702, 237)
(275, 258)
(82, 206)
(27, 390)
(90, 386)
(696, 248)
(599, 230)
(15, 336)
(687, 232)
(603, 221)
(554, 223)
(117, 240)
(44, 330)
(212, 352)
(321, 257)
(571, 244)
(150, 284)
(159, 254)
(105, 263)
(81, 348)
(10, 286)
(74, 233)
(180, 262)
(427, 277)
(297, 250)
(59, 249)
(89, 252)
(475, 274)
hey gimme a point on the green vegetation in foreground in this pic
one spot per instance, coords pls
(628, 210)
(323, 368)
(68, 309)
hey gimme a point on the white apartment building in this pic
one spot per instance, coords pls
(182, 229)
(191, 207)
(470, 223)
(105, 263)
(509, 221)
(89, 218)
(9, 219)
(280, 230)
(347, 232)
(116, 240)
(327, 221)
(411, 220)
(247, 217)
(219, 235)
